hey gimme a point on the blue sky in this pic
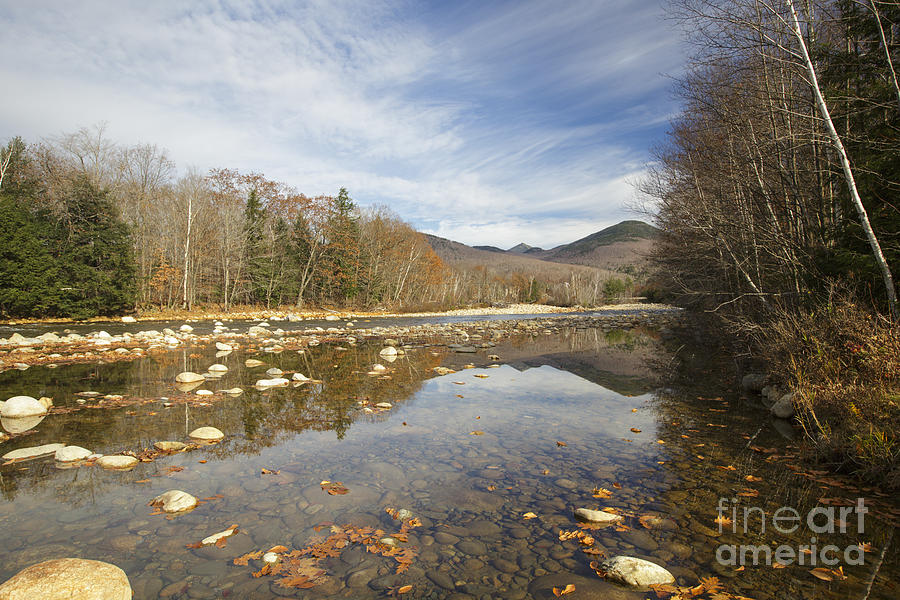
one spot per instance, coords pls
(485, 122)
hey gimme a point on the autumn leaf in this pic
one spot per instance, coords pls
(404, 589)
(728, 468)
(246, 558)
(570, 588)
(265, 471)
(563, 444)
(601, 493)
(711, 584)
(529, 515)
(823, 574)
(635, 430)
(722, 521)
(753, 479)
(476, 432)
(278, 549)
(481, 375)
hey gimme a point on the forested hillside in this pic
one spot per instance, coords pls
(776, 193)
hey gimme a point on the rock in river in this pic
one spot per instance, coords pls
(169, 446)
(252, 362)
(189, 377)
(71, 453)
(784, 408)
(596, 516)
(66, 578)
(754, 382)
(174, 501)
(22, 424)
(636, 572)
(207, 433)
(217, 368)
(117, 462)
(32, 452)
(22, 406)
(223, 347)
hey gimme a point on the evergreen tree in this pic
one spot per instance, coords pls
(95, 255)
(343, 248)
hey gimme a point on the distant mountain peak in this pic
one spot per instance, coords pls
(522, 248)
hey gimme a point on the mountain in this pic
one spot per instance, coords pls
(621, 245)
(489, 248)
(523, 249)
(462, 256)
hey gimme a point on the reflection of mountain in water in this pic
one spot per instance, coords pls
(256, 420)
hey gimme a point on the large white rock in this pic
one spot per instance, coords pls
(207, 433)
(636, 572)
(299, 377)
(174, 501)
(388, 351)
(22, 406)
(223, 347)
(217, 368)
(68, 578)
(71, 453)
(166, 446)
(257, 330)
(596, 516)
(117, 462)
(188, 377)
(33, 451)
(186, 328)
(274, 372)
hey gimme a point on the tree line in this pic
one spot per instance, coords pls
(780, 175)
(89, 227)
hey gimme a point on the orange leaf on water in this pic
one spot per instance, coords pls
(570, 588)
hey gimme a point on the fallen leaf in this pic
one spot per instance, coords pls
(529, 515)
(753, 479)
(601, 493)
(561, 444)
(404, 589)
(823, 574)
(635, 430)
(566, 590)
(269, 471)
(476, 432)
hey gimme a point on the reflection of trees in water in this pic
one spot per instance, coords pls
(252, 421)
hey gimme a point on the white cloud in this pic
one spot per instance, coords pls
(479, 122)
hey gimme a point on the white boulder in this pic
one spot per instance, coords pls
(22, 406)
(189, 377)
(207, 433)
(67, 578)
(71, 454)
(174, 501)
(636, 572)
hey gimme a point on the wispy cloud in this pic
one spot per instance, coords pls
(483, 122)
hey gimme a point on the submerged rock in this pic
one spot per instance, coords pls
(636, 572)
(274, 382)
(67, 578)
(22, 406)
(252, 362)
(207, 433)
(596, 516)
(174, 501)
(388, 351)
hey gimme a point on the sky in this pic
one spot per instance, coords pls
(486, 122)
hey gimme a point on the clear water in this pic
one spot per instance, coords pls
(586, 389)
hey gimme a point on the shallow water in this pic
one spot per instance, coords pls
(586, 389)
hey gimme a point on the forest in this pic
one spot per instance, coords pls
(92, 228)
(776, 192)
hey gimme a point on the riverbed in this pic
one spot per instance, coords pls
(487, 443)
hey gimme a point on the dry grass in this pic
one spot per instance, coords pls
(844, 363)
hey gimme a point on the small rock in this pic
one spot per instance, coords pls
(275, 382)
(300, 377)
(784, 408)
(223, 347)
(129, 320)
(189, 377)
(207, 433)
(174, 501)
(169, 446)
(636, 572)
(274, 372)
(217, 368)
(754, 382)
(186, 328)
(33, 451)
(234, 391)
(71, 454)
(117, 462)
(388, 351)
(596, 516)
